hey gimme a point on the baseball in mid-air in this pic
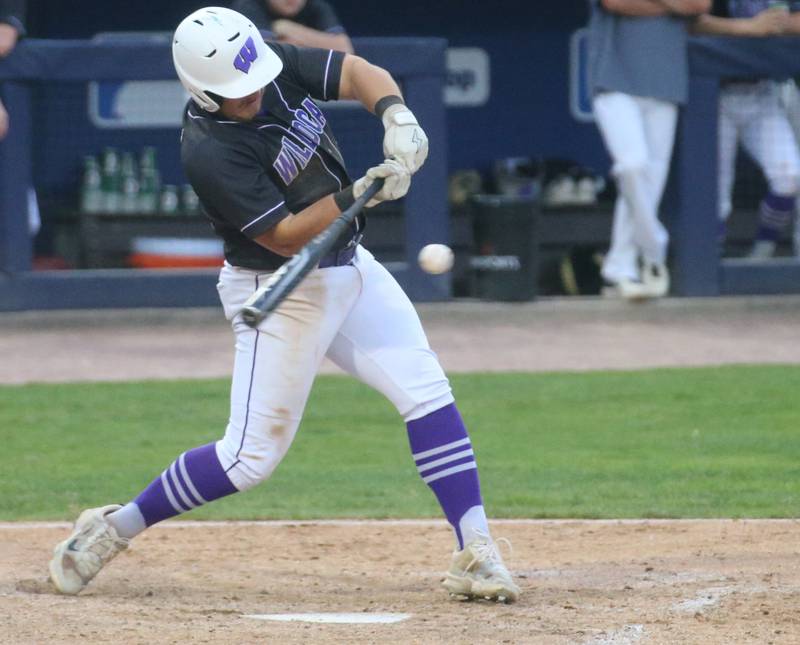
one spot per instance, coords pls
(435, 258)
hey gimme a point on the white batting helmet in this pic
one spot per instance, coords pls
(220, 52)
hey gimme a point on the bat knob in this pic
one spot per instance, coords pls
(251, 316)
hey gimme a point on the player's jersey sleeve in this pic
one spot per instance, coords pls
(323, 18)
(233, 186)
(317, 71)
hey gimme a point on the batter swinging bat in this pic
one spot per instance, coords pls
(283, 281)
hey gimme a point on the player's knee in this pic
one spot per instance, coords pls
(253, 452)
(251, 469)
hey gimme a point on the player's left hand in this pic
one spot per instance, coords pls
(397, 181)
(404, 139)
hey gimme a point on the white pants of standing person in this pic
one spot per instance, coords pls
(639, 134)
(753, 114)
(790, 100)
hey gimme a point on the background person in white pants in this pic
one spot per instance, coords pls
(751, 111)
(790, 99)
(639, 76)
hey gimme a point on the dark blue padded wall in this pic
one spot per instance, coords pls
(527, 113)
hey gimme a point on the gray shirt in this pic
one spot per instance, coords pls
(642, 56)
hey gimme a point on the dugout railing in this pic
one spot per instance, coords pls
(418, 64)
(692, 197)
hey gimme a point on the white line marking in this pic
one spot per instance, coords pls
(628, 635)
(435, 451)
(445, 460)
(450, 471)
(341, 619)
(704, 599)
(188, 524)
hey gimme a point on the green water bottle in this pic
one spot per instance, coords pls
(190, 202)
(149, 181)
(111, 181)
(91, 186)
(169, 202)
(129, 202)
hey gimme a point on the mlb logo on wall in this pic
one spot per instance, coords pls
(136, 104)
(468, 77)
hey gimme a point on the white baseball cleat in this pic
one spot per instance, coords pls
(627, 289)
(762, 250)
(655, 277)
(478, 572)
(93, 543)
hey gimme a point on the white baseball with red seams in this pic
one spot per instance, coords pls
(435, 258)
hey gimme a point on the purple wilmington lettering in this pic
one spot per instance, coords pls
(314, 112)
(300, 153)
(285, 166)
(246, 56)
(307, 126)
(305, 130)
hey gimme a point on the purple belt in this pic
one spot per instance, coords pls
(340, 258)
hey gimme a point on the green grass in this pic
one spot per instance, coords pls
(711, 442)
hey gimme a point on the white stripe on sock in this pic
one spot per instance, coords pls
(188, 480)
(169, 494)
(440, 449)
(449, 471)
(445, 460)
(173, 470)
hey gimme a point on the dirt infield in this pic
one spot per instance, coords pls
(551, 335)
(600, 582)
(583, 583)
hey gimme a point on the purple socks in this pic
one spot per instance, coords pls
(439, 443)
(775, 216)
(443, 454)
(193, 479)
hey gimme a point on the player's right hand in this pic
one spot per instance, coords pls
(397, 181)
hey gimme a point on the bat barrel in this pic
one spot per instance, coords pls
(252, 315)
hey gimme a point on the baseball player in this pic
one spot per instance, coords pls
(639, 77)
(305, 23)
(751, 111)
(269, 174)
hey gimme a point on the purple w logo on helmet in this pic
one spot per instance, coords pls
(246, 56)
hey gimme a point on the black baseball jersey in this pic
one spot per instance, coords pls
(316, 14)
(250, 175)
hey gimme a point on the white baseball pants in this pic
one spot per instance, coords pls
(356, 315)
(639, 134)
(753, 114)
